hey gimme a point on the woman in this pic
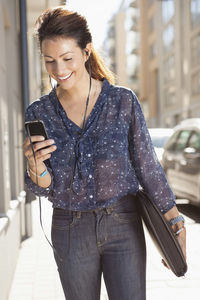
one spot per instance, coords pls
(99, 151)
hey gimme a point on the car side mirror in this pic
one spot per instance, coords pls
(191, 152)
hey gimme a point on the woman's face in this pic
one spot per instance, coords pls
(64, 61)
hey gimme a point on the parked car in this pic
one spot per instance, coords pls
(159, 137)
(181, 160)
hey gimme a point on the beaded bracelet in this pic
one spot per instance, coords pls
(39, 176)
(176, 220)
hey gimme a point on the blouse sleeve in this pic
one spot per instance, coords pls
(148, 170)
(33, 187)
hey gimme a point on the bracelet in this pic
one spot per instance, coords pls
(176, 220)
(39, 176)
(178, 231)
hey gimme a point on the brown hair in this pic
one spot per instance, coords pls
(64, 23)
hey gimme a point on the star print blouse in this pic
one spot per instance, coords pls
(110, 159)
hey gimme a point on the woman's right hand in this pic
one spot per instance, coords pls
(40, 154)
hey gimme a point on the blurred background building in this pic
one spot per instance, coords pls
(20, 80)
(153, 46)
(121, 46)
(160, 42)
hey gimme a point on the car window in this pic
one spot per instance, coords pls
(171, 143)
(158, 141)
(181, 142)
(194, 141)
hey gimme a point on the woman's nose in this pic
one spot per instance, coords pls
(60, 70)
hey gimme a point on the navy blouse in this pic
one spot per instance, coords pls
(110, 159)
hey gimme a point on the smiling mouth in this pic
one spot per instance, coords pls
(66, 77)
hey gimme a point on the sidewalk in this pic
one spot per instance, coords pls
(36, 276)
(162, 283)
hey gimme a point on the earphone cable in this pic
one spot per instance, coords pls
(82, 131)
(40, 205)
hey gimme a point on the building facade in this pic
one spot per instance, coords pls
(160, 57)
(12, 198)
(122, 43)
(170, 66)
(17, 63)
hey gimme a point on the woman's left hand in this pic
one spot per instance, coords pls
(181, 236)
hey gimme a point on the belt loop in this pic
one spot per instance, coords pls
(109, 210)
(78, 214)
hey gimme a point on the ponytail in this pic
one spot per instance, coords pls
(98, 67)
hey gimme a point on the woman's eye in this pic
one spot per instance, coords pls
(51, 61)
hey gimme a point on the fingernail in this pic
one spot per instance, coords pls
(42, 138)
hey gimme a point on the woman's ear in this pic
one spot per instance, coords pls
(88, 50)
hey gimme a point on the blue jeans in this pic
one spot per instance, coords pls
(109, 241)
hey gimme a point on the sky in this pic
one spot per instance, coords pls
(97, 13)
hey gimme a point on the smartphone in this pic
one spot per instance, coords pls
(36, 127)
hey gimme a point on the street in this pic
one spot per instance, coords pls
(36, 276)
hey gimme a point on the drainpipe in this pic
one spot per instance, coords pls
(24, 54)
(25, 103)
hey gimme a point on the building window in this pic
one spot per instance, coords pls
(150, 2)
(132, 3)
(131, 19)
(195, 12)
(153, 51)
(195, 51)
(152, 24)
(169, 69)
(196, 83)
(169, 96)
(168, 37)
(167, 10)
(132, 69)
(132, 42)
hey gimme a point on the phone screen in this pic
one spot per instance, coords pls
(36, 128)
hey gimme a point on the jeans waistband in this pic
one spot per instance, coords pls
(108, 209)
